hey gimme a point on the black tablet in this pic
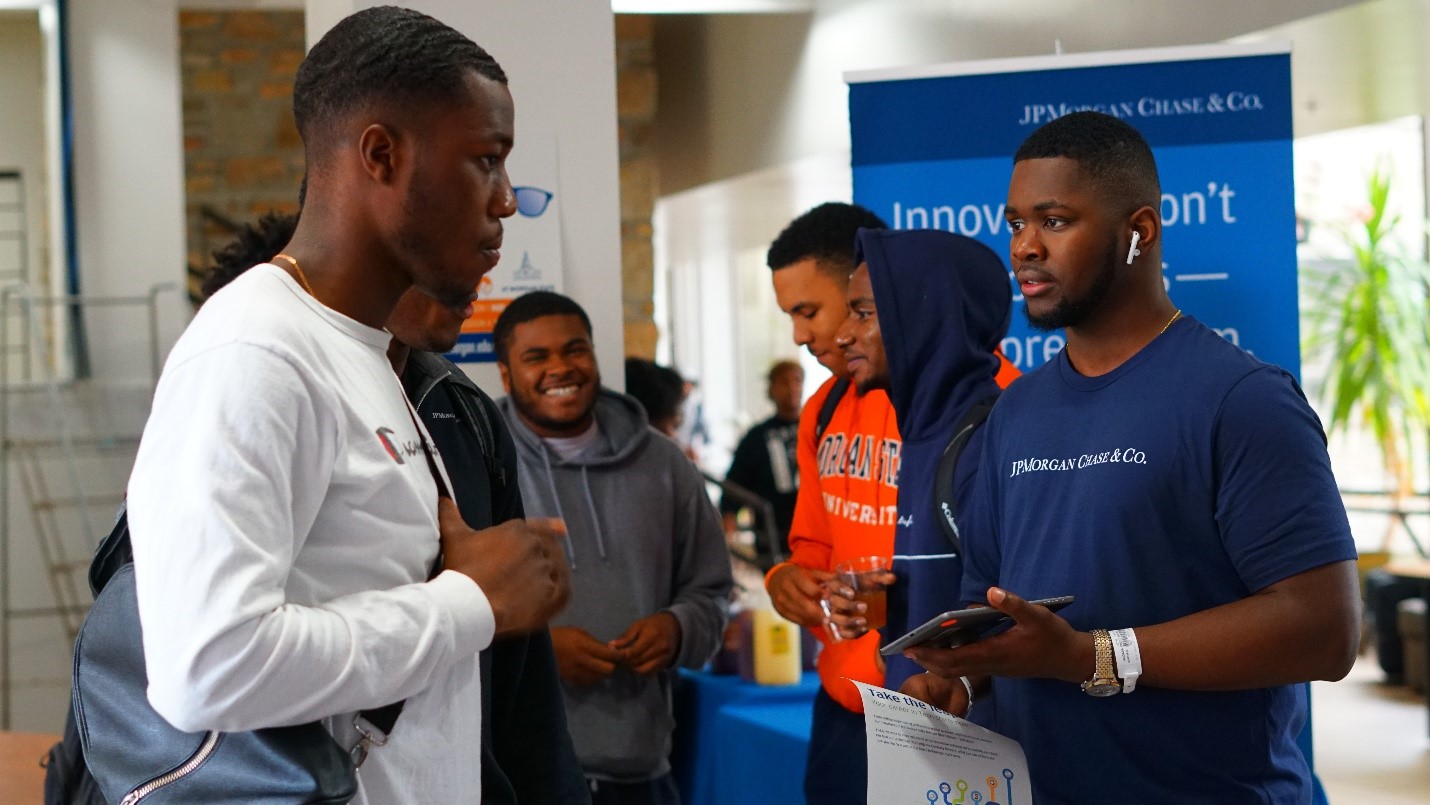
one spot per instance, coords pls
(961, 627)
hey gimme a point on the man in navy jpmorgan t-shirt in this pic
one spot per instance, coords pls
(1174, 484)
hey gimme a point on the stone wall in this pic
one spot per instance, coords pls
(242, 154)
(635, 109)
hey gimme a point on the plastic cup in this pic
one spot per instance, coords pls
(864, 575)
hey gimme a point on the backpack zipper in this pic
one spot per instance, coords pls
(189, 767)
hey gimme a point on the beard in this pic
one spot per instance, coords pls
(419, 247)
(1069, 312)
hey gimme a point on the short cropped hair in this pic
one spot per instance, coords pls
(659, 389)
(780, 367)
(531, 306)
(251, 245)
(827, 233)
(1109, 151)
(382, 55)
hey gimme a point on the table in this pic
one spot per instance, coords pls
(1417, 570)
(22, 778)
(738, 743)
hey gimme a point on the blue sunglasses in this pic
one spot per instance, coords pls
(531, 201)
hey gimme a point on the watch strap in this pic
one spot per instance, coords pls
(1104, 679)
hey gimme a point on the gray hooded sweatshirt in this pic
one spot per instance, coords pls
(642, 537)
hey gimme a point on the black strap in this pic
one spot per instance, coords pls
(385, 717)
(478, 411)
(945, 493)
(427, 451)
(826, 411)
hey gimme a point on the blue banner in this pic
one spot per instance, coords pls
(936, 151)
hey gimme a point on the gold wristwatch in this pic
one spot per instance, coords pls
(1104, 680)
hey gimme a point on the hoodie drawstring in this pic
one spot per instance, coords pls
(591, 504)
(555, 497)
(561, 512)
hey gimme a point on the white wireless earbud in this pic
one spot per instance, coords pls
(1133, 251)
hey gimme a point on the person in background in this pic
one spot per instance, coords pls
(526, 751)
(765, 461)
(848, 457)
(649, 573)
(660, 390)
(284, 506)
(1178, 487)
(927, 310)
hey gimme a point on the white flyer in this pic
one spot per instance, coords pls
(920, 755)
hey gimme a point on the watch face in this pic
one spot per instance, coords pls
(1101, 687)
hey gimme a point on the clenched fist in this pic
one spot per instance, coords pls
(519, 565)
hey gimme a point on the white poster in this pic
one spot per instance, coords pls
(531, 245)
(920, 755)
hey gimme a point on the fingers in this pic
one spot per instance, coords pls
(592, 653)
(950, 663)
(806, 585)
(644, 648)
(918, 687)
(945, 694)
(553, 527)
(1004, 601)
(842, 602)
(448, 515)
(627, 637)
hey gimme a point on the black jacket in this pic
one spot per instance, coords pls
(527, 756)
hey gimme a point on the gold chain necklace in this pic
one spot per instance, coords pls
(303, 278)
(1175, 316)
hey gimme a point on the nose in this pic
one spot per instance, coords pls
(1026, 245)
(503, 204)
(844, 336)
(802, 334)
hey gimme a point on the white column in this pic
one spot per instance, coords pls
(128, 173)
(559, 56)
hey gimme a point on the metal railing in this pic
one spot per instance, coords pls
(26, 457)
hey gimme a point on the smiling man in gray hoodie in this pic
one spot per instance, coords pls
(649, 572)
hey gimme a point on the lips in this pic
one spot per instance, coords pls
(1033, 283)
(492, 251)
(562, 390)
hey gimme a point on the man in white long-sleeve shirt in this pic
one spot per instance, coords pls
(284, 514)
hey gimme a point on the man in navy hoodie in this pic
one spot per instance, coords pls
(927, 310)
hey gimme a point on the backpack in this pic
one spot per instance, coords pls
(945, 495)
(68, 780)
(944, 492)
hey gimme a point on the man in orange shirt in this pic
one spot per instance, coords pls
(848, 489)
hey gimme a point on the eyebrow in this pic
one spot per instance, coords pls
(1042, 206)
(861, 300)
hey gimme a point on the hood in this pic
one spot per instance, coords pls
(624, 428)
(944, 303)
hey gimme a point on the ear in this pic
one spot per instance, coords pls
(1147, 223)
(383, 152)
(505, 377)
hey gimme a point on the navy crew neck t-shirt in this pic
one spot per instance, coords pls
(1191, 476)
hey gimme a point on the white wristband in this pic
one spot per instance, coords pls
(967, 686)
(1128, 656)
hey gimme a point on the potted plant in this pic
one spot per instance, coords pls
(1366, 321)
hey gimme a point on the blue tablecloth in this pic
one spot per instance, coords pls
(737, 743)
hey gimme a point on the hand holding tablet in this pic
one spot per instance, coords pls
(961, 626)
